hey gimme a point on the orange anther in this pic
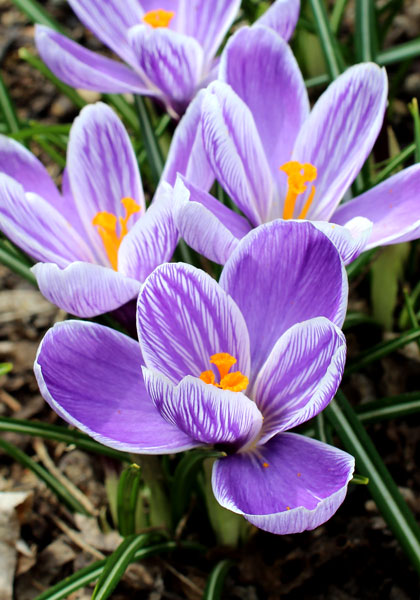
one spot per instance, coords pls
(234, 382)
(265, 465)
(298, 175)
(158, 18)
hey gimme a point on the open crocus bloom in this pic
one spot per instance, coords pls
(169, 45)
(233, 365)
(278, 160)
(95, 242)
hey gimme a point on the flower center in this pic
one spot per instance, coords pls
(107, 228)
(158, 18)
(298, 175)
(234, 382)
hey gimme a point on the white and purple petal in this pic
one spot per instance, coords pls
(184, 317)
(91, 376)
(300, 376)
(281, 16)
(81, 68)
(339, 134)
(289, 485)
(235, 151)
(84, 289)
(393, 207)
(203, 412)
(271, 277)
(351, 239)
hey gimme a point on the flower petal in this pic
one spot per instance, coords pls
(270, 276)
(208, 226)
(186, 153)
(300, 376)
(184, 317)
(350, 240)
(84, 289)
(91, 376)
(20, 164)
(208, 21)
(392, 206)
(37, 227)
(102, 170)
(235, 151)
(152, 240)
(171, 62)
(204, 412)
(261, 69)
(82, 68)
(339, 135)
(110, 21)
(282, 16)
(302, 485)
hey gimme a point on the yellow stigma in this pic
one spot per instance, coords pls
(298, 175)
(234, 382)
(158, 18)
(107, 229)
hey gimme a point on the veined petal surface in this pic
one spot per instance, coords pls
(91, 376)
(204, 412)
(291, 484)
(281, 16)
(184, 317)
(351, 239)
(271, 278)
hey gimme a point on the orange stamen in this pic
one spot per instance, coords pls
(107, 228)
(158, 18)
(234, 382)
(298, 175)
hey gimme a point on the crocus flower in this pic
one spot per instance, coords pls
(233, 365)
(169, 45)
(95, 242)
(278, 160)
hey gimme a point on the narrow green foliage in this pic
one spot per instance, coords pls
(117, 564)
(357, 318)
(337, 15)
(150, 141)
(399, 53)
(59, 490)
(365, 35)
(216, 580)
(414, 110)
(358, 266)
(127, 496)
(7, 108)
(332, 53)
(394, 164)
(5, 368)
(125, 109)
(394, 407)
(380, 350)
(360, 479)
(9, 259)
(381, 485)
(37, 129)
(37, 14)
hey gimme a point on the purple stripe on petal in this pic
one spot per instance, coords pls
(152, 240)
(186, 153)
(282, 16)
(302, 485)
(204, 412)
(300, 376)
(261, 69)
(339, 134)
(392, 206)
(102, 170)
(37, 227)
(83, 289)
(82, 68)
(91, 376)
(271, 278)
(350, 240)
(171, 62)
(235, 151)
(184, 317)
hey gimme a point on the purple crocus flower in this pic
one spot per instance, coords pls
(95, 241)
(234, 365)
(276, 159)
(169, 45)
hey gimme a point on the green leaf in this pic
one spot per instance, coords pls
(386, 273)
(9, 259)
(381, 485)
(5, 367)
(360, 264)
(332, 53)
(7, 108)
(337, 15)
(59, 490)
(216, 580)
(127, 496)
(399, 53)
(37, 14)
(414, 110)
(365, 34)
(150, 141)
(393, 407)
(359, 479)
(394, 164)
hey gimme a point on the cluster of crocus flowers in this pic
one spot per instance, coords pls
(95, 241)
(278, 160)
(215, 368)
(169, 45)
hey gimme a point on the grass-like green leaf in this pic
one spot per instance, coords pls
(365, 34)
(37, 13)
(394, 407)
(9, 259)
(332, 53)
(150, 140)
(399, 53)
(5, 368)
(414, 110)
(7, 108)
(127, 495)
(394, 164)
(216, 580)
